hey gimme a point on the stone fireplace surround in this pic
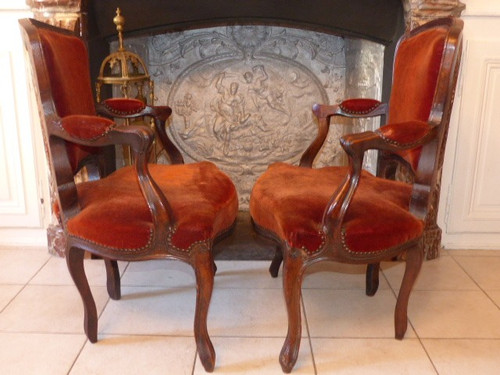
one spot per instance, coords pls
(264, 49)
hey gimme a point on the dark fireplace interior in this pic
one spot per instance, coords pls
(380, 21)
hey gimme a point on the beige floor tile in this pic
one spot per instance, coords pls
(245, 274)
(48, 309)
(248, 313)
(332, 275)
(350, 313)
(442, 273)
(40, 354)
(474, 253)
(254, 355)
(150, 311)
(160, 273)
(495, 296)
(370, 356)
(19, 266)
(133, 355)
(454, 314)
(55, 272)
(464, 357)
(7, 294)
(483, 269)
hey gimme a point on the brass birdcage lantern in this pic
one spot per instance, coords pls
(125, 70)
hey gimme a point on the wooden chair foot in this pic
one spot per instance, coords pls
(372, 278)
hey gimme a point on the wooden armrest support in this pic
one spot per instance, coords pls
(355, 146)
(352, 108)
(139, 138)
(132, 108)
(100, 131)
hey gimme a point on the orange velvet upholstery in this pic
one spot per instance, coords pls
(124, 106)
(290, 201)
(414, 84)
(406, 133)
(72, 93)
(202, 198)
(136, 213)
(87, 127)
(359, 106)
(345, 214)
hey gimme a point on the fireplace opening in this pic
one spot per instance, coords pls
(241, 78)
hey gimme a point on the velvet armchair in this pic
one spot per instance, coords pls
(347, 214)
(139, 212)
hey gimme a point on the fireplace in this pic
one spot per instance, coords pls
(241, 76)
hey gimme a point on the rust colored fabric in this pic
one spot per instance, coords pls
(416, 70)
(72, 92)
(290, 201)
(406, 133)
(86, 127)
(359, 106)
(114, 212)
(124, 105)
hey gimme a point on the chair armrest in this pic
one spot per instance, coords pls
(352, 108)
(126, 108)
(104, 132)
(355, 145)
(98, 131)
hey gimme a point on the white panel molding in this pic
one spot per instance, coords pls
(11, 185)
(474, 203)
(23, 186)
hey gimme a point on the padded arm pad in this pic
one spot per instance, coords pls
(86, 127)
(359, 106)
(124, 106)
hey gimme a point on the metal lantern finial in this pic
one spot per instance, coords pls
(125, 70)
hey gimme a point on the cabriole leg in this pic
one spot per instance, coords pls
(414, 259)
(74, 260)
(292, 284)
(203, 267)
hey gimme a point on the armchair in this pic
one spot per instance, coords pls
(348, 215)
(139, 212)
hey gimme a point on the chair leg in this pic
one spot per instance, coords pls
(292, 284)
(203, 265)
(372, 274)
(113, 278)
(74, 260)
(414, 259)
(274, 268)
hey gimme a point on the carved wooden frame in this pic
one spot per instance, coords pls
(423, 201)
(140, 138)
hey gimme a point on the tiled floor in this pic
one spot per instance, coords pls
(454, 314)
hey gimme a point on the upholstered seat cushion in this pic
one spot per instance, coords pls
(114, 212)
(290, 202)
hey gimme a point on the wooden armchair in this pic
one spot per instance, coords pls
(139, 212)
(348, 215)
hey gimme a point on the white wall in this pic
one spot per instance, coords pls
(23, 184)
(470, 200)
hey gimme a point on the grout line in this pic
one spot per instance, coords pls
(194, 361)
(308, 334)
(24, 286)
(411, 324)
(475, 282)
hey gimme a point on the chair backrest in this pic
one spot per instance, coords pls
(67, 62)
(61, 73)
(424, 76)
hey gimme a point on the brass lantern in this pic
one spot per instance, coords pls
(125, 70)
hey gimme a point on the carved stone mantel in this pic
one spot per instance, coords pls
(423, 11)
(71, 14)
